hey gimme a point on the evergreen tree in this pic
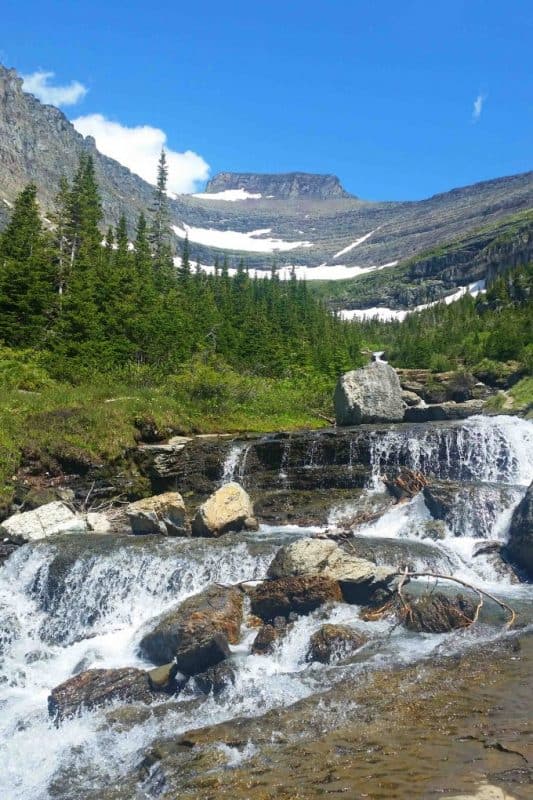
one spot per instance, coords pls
(28, 282)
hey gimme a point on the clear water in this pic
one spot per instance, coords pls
(95, 613)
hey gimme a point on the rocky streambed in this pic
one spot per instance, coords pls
(303, 698)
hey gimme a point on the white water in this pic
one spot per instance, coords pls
(93, 612)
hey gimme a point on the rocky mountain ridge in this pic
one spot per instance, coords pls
(291, 184)
(304, 220)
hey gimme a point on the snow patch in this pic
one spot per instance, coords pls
(355, 244)
(251, 242)
(230, 195)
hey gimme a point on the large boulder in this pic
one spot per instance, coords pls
(370, 394)
(519, 549)
(298, 595)
(48, 520)
(196, 634)
(97, 687)
(334, 643)
(163, 513)
(228, 509)
(361, 581)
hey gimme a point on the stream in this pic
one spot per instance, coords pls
(76, 602)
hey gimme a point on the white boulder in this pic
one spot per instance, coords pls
(42, 522)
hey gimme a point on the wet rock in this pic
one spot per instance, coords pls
(437, 613)
(443, 411)
(163, 513)
(407, 483)
(98, 522)
(440, 498)
(97, 687)
(163, 678)
(468, 508)
(216, 679)
(334, 643)
(411, 398)
(519, 548)
(300, 595)
(268, 635)
(360, 579)
(42, 522)
(6, 548)
(370, 394)
(228, 509)
(493, 552)
(196, 634)
(433, 529)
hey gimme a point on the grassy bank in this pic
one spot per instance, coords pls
(100, 418)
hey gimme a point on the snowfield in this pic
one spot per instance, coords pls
(355, 244)
(252, 242)
(229, 195)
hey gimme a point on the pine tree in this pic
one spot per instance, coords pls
(28, 282)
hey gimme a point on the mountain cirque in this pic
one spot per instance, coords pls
(299, 219)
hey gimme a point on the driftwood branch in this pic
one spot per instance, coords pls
(480, 592)
(320, 415)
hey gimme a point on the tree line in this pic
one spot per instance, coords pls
(91, 300)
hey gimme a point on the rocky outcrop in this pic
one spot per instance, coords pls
(98, 687)
(164, 513)
(298, 595)
(443, 411)
(334, 643)
(370, 394)
(288, 185)
(42, 522)
(196, 634)
(361, 581)
(228, 509)
(519, 549)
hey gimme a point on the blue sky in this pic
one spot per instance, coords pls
(380, 93)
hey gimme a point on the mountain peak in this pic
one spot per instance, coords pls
(281, 185)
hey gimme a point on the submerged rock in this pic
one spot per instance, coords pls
(228, 509)
(268, 635)
(163, 513)
(97, 687)
(196, 634)
(216, 679)
(298, 595)
(519, 549)
(437, 613)
(370, 394)
(42, 522)
(334, 643)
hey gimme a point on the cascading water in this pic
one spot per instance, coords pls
(79, 602)
(234, 466)
(490, 458)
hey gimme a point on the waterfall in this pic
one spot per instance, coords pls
(234, 465)
(491, 449)
(78, 602)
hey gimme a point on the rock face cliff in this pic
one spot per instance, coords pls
(300, 219)
(290, 184)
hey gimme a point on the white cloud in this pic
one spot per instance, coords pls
(478, 106)
(139, 149)
(38, 84)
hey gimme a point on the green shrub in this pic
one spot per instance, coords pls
(20, 369)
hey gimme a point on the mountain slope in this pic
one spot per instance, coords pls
(296, 219)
